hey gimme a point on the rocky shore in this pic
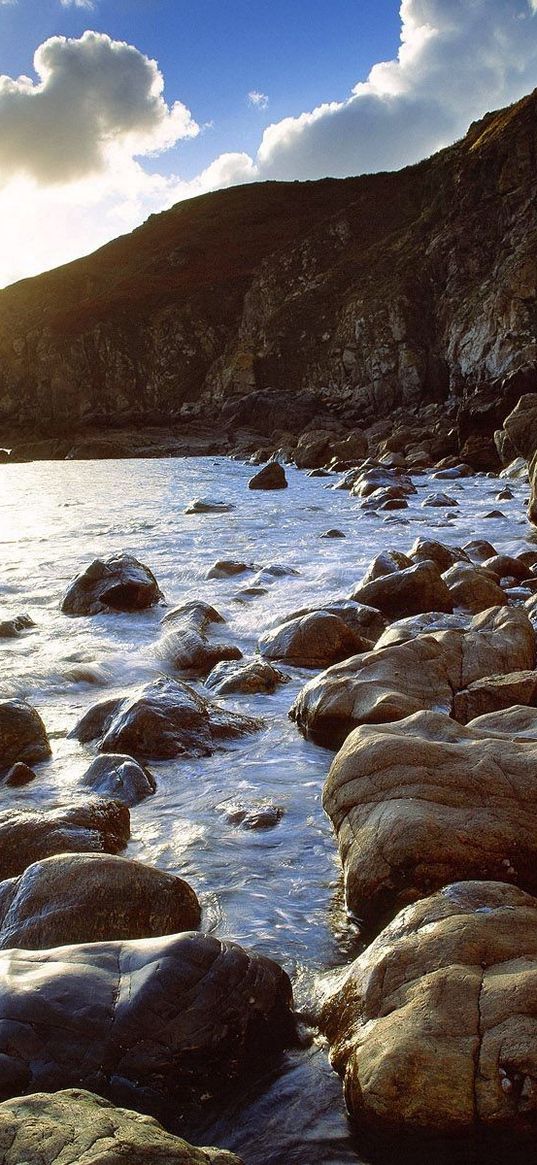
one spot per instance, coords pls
(117, 998)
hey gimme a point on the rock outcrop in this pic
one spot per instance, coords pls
(76, 1126)
(434, 1029)
(141, 333)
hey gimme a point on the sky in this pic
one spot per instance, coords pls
(111, 110)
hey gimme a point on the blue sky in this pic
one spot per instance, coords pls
(113, 109)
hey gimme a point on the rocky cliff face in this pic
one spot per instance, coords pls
(357, 296)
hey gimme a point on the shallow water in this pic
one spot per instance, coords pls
(276, 891)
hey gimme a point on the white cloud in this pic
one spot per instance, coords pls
(97, 102)
(78, 4)
(260, 100)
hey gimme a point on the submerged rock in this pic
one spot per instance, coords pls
(75, 898)
(433, 1028)
(156, 1022)
(117, 583)
(23, 736)
(121, 777)
(208, 506)
(29, 835)
(164, 719)
(75, 1126)
(263, 816)
(272, 476)
(15, 627)
(228, 567)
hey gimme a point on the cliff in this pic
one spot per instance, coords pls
(271, 302)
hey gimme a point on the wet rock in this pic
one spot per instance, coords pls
(76, 1126)
(454, 473)
(23, 736)
(494, 693)
(504, 495)
(13, 628)
(272, 476)
(19, 774)
(394, 504)
(79, 898)
(471, 589)
(311, 641)
(208, 506)
(380, 498)
(521, 425)
(387, 562)
(493, 514)
(424, 800)
(448, 989)
(171, 1019)
(381, 478)
(439, 500)
(227, 568)
(422, 673)
(117, 583)
(479, 550)
(402, 630)
(333, 534)
(406, 592)
(428, 550)
(29, 835)
(163, 720)
(196, 613)
(263, 816)
(120, 777)
(517, 470)
(364, 621)
(313, 449)
(506, 566)
(228, 679)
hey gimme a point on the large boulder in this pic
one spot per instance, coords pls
(387, 562)
(434, 1028)
(272, 476)
(119, 776)
(419, 674)
(406, 592)
(23, 736)
(404, 629)
(117, 583)
(29, 835)
(164, 719)
(313, 449)
(521, 426)
(156, 1023)
(472, 588)
(420, 802)
(75, 1127)
(312, 641)
(428, 550)
(75, 898)
(364, 621)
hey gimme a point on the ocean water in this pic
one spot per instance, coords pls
(276, 891)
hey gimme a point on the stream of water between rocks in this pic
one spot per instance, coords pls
(276, 891)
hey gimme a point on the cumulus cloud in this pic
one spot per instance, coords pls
(457, 60)
(96, 99)
(260, 100)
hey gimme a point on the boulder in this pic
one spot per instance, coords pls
(120, 777)
(189, 651)
(494, 693)
(15, 627)
(117, 583)
(454, 473)
(521, 426)
(380, 499)
(163, 720)
(195, 613)
(334, 533)
(406, 592)
(311, 641)
(208, 506)
(471, 589)
(29, 835)
(428, 550)
(351, 448)
(421, 674)
(312, 449)
(517, 470)
(75, 1126)
(262, 816)
(228, 679)
(439, 500)
(387, 562)
(81, 898)
(379, 477)
(272, 476)
(433, 1028)
(479, 550)
(364, 621)
(23, 736)
(421, 801)
(404, 630)
(157, 1022)
(19, 774)
(506, 566)
(228, 568)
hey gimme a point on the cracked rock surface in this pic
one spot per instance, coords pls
(74, 1127)
(156, 1024)
(425, 800)
(434, 1027)
(421, 674)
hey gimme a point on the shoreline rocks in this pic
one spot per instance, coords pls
(29, 835)
(117, 583)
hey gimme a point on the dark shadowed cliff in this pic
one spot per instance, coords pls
(368, 293)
